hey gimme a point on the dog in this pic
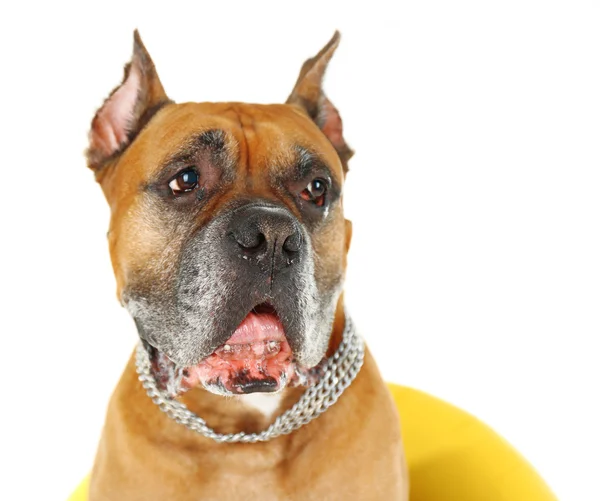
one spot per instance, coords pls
(228, 242)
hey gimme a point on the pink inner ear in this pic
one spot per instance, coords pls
(331, 123)
(111, 123)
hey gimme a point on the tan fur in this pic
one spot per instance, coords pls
(352, 452)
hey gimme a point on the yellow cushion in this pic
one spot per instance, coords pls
(452, 456)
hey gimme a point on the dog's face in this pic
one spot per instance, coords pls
(227, 233)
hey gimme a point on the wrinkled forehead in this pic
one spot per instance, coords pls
(253, 137)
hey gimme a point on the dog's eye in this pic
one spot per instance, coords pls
(186, 180)
(315, 192)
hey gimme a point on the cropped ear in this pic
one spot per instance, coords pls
(308, 94)
(127, 109)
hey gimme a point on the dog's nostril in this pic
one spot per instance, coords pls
(249, 240)
(293, 242)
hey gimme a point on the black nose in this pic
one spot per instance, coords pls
(268, 234)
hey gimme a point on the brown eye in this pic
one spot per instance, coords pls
(315, 192)
(186, 180)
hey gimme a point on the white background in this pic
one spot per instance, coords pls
(474, 271)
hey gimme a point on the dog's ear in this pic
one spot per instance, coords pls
(127, 109)
(308, 94)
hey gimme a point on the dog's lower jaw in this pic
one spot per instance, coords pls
(174, 380)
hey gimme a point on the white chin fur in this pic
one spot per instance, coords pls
(266, 403)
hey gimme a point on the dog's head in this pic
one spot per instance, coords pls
(227, 235)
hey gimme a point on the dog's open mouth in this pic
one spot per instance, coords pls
(256, 358)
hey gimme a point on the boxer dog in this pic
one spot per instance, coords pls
(228, 242)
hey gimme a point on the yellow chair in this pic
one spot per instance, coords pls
(452, 456)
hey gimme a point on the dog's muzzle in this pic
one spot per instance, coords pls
(245, 311)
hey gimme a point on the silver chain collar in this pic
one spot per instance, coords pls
(338, 372)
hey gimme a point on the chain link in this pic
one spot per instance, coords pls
(338, 373)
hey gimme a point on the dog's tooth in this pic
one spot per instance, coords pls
(227, 348)
(273, 347)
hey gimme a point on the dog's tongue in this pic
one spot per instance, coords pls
(257, 357)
